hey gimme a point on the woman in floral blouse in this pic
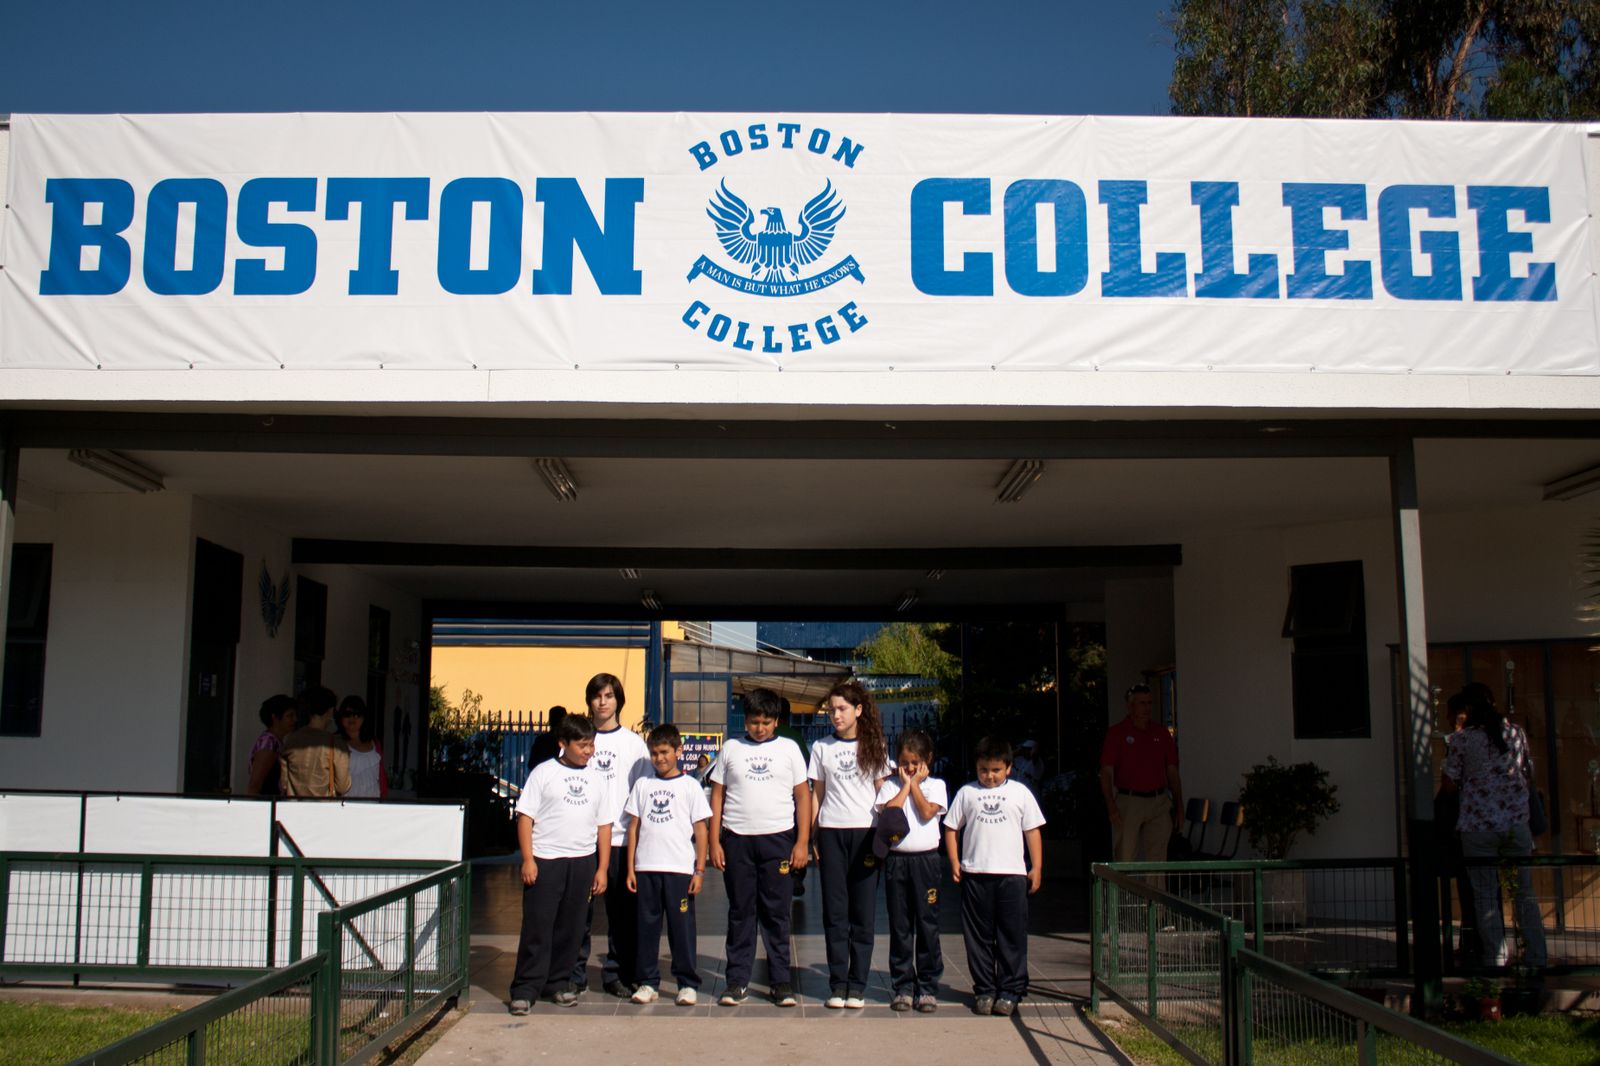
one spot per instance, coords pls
(1488, 761)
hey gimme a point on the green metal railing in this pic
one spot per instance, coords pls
(382, 965)
(1350, 917)
(173, 917)
(392, 958)
(269, 1022)
(1183, 970)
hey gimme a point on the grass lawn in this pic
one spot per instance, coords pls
(35, 1033)
(1546, 1040)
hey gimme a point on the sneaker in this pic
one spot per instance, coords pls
(645, 994)
(1004, 1006)
(835, 1001)
(783, 996)
(983, 1005)
(687, 997)
(618, 988)
(927, 1004)
(734, 995)
(565, 998)
(520, 1007)
(855, 1000)
(900, 1003)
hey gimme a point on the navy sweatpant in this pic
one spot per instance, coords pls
(994, 924)
(911, 882)
(665, 896)
(622, 934)
(849, 903)
(759, 892)
(552, 919)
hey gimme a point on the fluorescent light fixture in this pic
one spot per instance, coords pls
(628, 573)
(650, 600)
(118, 468)
(908, 599)
(1573, 485)
(1018, 480)
(562, 485)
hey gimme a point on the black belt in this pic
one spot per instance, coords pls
(1141, 795)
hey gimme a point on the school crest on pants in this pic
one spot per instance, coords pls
(933, 896)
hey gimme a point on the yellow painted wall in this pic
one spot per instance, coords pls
(536, 679)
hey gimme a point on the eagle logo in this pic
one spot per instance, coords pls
(992, 806)
(773, 250)
(660, 803)
(274, 599)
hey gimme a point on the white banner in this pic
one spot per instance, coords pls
(804, 242)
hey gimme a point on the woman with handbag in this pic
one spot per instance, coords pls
(1488, 761)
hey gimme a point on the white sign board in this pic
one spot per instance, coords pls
(795, 242)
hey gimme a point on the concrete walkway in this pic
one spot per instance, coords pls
(1048, 1027)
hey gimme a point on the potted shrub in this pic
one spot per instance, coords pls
(1483, 995)
(1280, 802)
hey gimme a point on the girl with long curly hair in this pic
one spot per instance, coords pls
(846, 770)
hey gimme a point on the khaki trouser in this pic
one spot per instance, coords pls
(1146, 828)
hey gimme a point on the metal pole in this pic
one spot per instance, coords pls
(8, 527)
(1427, 995)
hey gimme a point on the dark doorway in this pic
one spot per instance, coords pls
(213, 650)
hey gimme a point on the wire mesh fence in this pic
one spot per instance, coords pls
(147, 915)
(1566, 897)
(381, 965)
(1342, 916)
(1183, 971)
(394, 957)
(269, 1022)
(1289, 1018)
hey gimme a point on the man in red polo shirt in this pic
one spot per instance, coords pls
(1139, 778)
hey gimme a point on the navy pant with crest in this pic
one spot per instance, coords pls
(665, 897)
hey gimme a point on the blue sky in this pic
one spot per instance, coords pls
(979, 56)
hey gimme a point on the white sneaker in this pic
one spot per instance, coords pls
(854, 1002)
(645, 994)
(687, 997)
(834, 1002)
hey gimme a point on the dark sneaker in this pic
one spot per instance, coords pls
(520, 1007)
(1004, 1006)
(927, 1004)
(900, 1003)
(783, 996)
(733, 995)
(983, 1005)
(565, 998)
(619, 989)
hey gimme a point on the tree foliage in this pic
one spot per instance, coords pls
(910, 648)
(1435, 59)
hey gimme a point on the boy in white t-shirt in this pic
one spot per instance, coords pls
(620, 759)
(760, 831)
(666, 861)
(907, 840)
(564, 818)
(994, 818)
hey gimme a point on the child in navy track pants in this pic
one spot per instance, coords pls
(666, 865)
(989, 824)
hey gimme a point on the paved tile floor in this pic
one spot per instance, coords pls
(1048, 1028)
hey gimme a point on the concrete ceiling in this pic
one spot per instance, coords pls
(644, 502)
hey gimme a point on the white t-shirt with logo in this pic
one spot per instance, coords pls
(621, 757)
(994, 820)
(922, 836)
(758, 782)
(847, 789)
(667, 809)
(567, 804)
